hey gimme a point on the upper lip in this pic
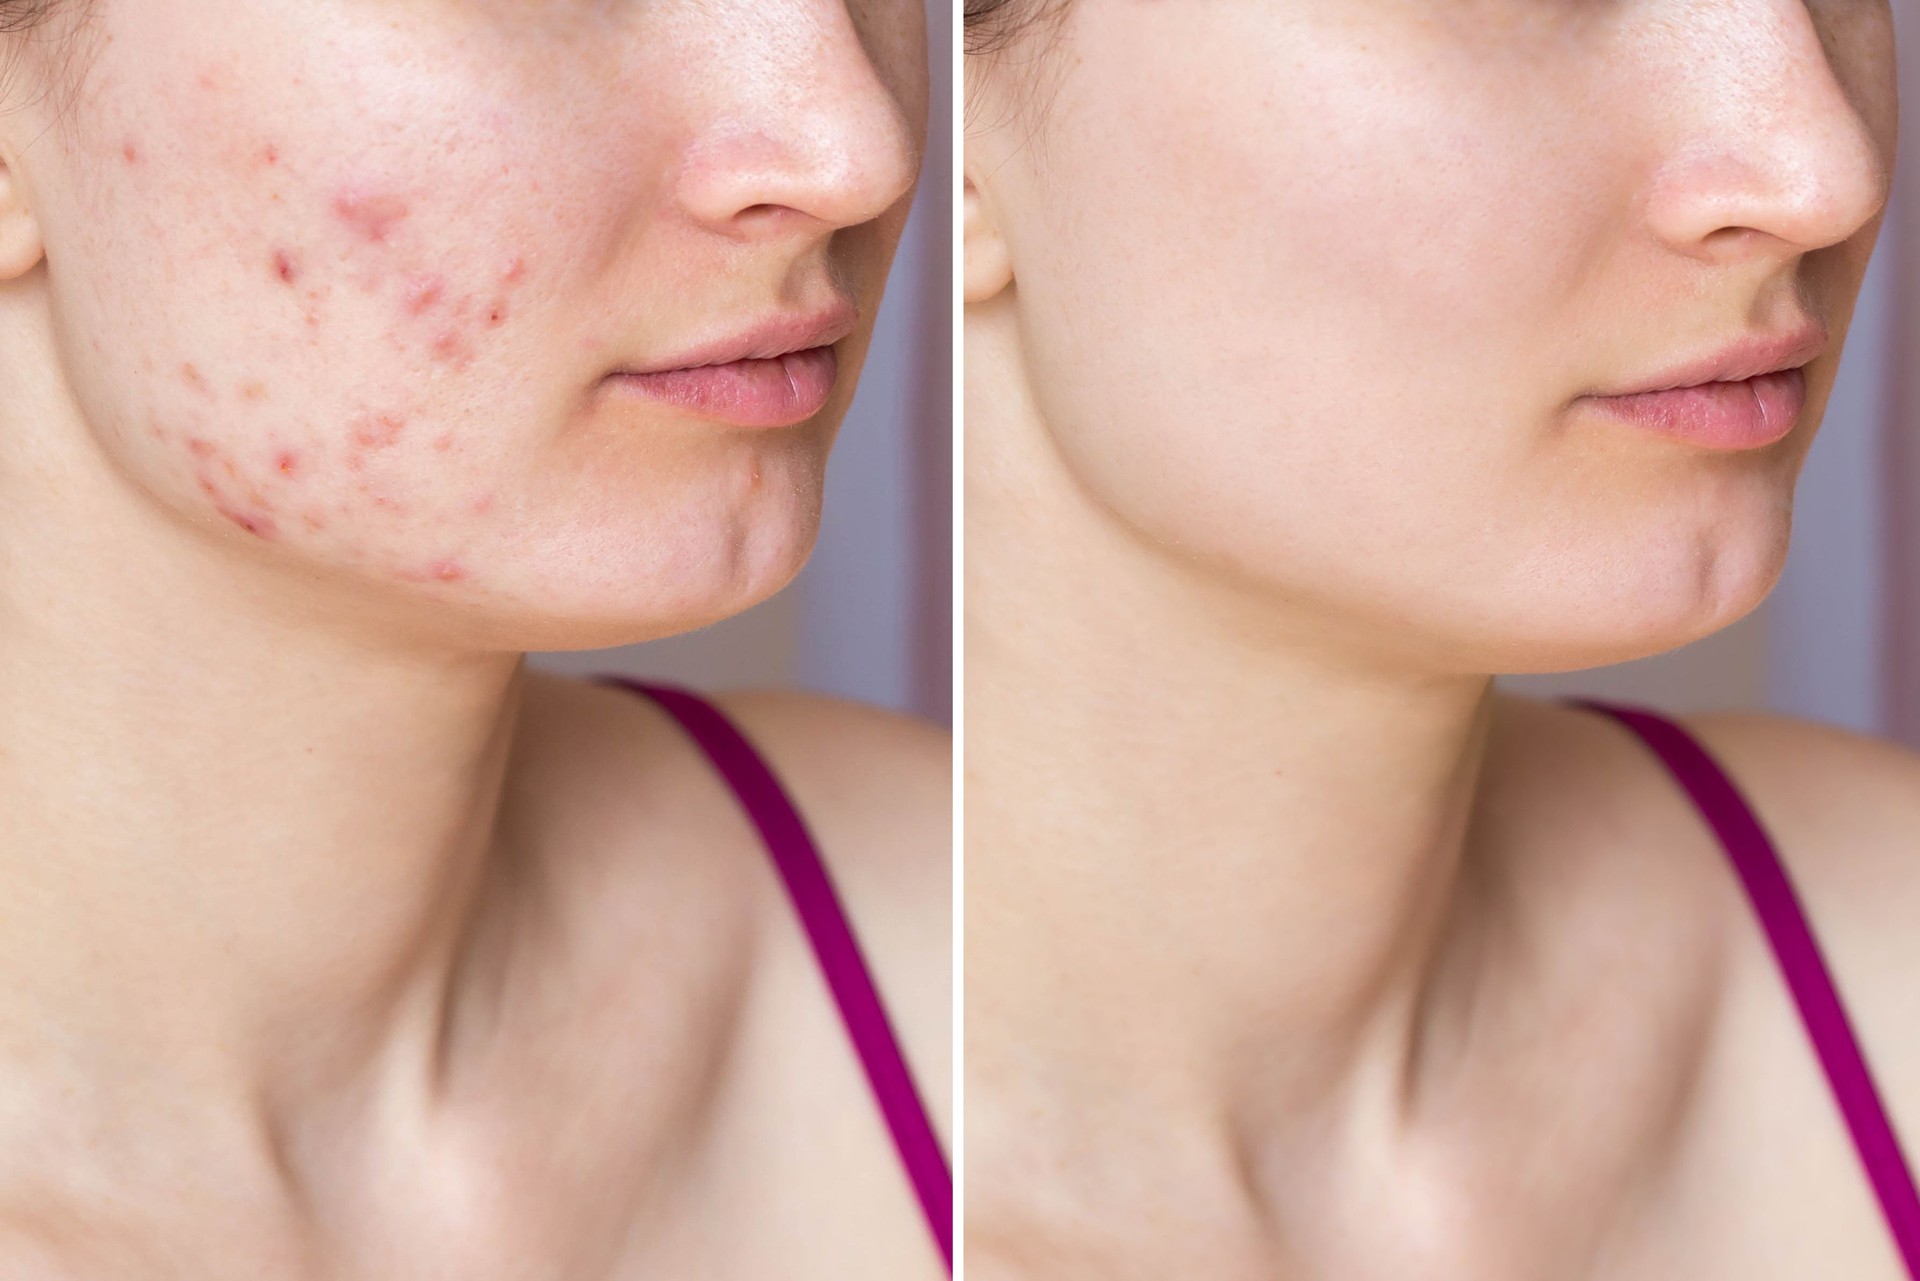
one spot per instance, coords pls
(776, 335)
(1746, 358)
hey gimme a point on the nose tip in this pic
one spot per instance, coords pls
(816, 137)
(1799, 161)
(838, 164)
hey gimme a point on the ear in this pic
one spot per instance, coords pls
(20, 245)
(988, 266)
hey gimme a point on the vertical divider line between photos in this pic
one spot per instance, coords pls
(957, 207)
(1900, 435)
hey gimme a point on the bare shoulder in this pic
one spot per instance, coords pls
(876, 790)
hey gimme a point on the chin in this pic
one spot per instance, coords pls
(597, 591)
(1637, 608)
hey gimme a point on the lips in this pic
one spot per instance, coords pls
(1747, 395)
(775, 391)
(775, 373)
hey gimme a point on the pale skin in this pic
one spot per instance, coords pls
(1293, 950)
(337, 944)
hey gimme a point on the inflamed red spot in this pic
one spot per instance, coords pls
(288, 462)
(131, 153)
(285, 267)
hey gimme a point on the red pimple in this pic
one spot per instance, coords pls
(285, 267)
(497, 313)
(373, 217)
(516, 272)
(270, 155)
(423, 291)
(131, 152)
(448, 571)
(287, 463)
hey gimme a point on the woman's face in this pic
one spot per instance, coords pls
(1308, 290)
(342, 281)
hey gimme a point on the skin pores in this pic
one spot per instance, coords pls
(1306, 294)
(336, 283)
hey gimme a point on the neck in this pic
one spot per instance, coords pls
(246, 842)
(1213, 859)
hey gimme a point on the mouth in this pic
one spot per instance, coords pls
(775, 373)
(1748, 395)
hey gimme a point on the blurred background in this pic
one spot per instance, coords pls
(1839, 639)
(871, 615)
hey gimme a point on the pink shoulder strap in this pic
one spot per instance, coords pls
(1790, 935)
(818, 906)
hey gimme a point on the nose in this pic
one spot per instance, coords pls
(1773, 155)
(802, 130)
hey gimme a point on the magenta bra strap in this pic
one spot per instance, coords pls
(825, 921)
(1781, 916)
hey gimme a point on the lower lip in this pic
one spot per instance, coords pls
(777, 392)
(1745, 415)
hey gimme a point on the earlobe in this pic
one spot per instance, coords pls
(987, 267)
(20, 245)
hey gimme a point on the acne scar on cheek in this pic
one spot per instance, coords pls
(372, 216)
(423, 291)
(255, 524)
(251, 515)
(377, 431)
(451, 347)
(253, 391)
(192, 377)
(446, 570)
